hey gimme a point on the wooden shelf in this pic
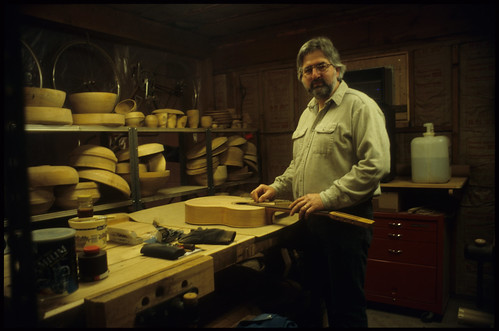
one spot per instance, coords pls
(72, 212)
(455, 183)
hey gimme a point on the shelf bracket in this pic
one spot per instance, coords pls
(134, 168)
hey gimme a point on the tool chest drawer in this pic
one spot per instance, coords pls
(406, 261)
(402, 223)
(403, 251)
(405, 234)
(395, 282)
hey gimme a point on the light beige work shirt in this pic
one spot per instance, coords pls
(341, 152)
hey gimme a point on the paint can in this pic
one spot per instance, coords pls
(55, 261)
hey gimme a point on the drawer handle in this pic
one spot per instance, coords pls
(395, 251)
(395, 235)
(395, 225)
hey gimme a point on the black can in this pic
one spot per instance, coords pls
(55, 261)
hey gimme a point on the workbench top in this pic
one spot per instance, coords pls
(173, 216)
(133, 277)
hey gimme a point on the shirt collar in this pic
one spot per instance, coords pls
(337, 97)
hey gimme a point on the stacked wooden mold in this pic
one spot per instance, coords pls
(196, 165)
(233, 158)
(95, 108)
(98, 164)
(42, 181)
(45, 106)
(153, 174)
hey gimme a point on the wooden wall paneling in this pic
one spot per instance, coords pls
(250, 99)
(206, 92)
(121, 26)
(433, 88)
(221, 92)
(278, 100)
(233, 92)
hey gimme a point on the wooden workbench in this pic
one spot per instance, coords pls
(136, 282)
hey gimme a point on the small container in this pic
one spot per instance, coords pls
(191, 309)
(430, 157)
(55, 261)
(89, 231)
(92, 264)
(85, 206)
(151, 121)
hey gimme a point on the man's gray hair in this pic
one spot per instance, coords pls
(320, 44)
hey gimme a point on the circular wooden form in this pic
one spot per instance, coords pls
(142, 150)
(48, 175)
(106, 177)
(48, 115)
(99, 119)
(95, 150)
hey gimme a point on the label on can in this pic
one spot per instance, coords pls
(55, 261)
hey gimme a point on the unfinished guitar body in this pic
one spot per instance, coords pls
(225, 210)
(243, 212)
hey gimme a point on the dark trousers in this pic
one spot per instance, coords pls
(335, 265)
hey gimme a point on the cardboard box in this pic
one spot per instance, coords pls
(387, 202)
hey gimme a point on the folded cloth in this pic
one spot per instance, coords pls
(264, 321)
(208, 236)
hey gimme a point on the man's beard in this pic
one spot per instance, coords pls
(322, 92)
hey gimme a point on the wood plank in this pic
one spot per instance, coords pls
(123, 269)
(118, 307)
(406, 182)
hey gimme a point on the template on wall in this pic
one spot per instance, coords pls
(398, 63)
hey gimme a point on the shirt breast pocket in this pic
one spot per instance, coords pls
(298, 139)
(324, 138)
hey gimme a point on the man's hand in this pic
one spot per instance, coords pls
(263, 193)
(306, 204)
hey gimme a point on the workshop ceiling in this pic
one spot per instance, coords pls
(219, 22)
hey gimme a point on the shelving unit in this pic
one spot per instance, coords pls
(135, 201)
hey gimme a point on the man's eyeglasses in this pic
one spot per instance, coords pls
(320, 67)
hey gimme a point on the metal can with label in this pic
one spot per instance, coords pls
(55, 261)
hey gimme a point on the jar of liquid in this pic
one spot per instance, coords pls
(85, 206)
(430, 157)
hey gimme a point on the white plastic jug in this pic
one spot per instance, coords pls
(430, 157)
